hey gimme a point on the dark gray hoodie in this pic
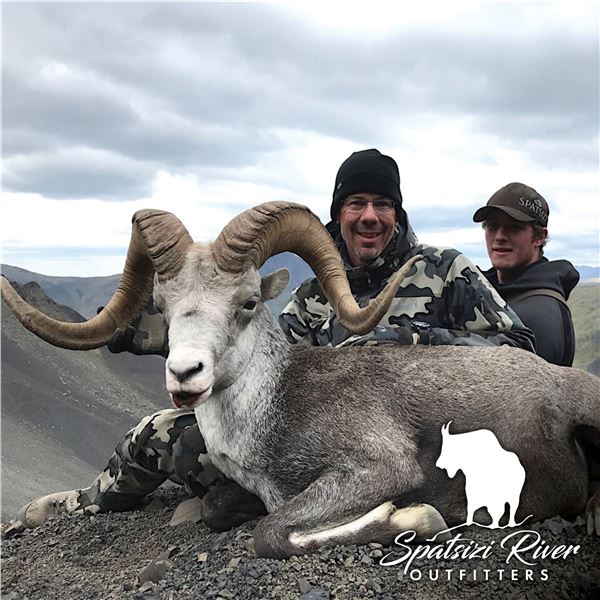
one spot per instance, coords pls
(547, 317)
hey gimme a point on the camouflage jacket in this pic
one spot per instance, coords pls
(444, 289)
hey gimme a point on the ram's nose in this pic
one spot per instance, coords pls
(185, 369)
(188, 369)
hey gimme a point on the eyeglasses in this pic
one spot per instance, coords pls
(381, 205)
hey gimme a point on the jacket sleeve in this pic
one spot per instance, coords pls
(304, 315)
(476, 314)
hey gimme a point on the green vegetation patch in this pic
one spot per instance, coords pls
(585, 309)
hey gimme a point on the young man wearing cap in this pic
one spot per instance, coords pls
(515, 221)
(445, 300)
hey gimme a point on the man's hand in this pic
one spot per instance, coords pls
(147, 334)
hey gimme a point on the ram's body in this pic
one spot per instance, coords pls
(375, 408)
(299, 427)
(324, 435)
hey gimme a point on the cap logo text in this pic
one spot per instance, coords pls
(535, 206)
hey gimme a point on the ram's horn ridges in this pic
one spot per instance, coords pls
(166, 239)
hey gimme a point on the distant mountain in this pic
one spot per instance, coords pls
(37, 297)
(83, 294)
(64, 411)
(86, 294)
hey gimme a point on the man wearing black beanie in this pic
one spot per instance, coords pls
(444, 300)
(369, 217)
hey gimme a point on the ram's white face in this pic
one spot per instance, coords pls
(210, 316)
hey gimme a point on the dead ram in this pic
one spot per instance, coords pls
(326, 436)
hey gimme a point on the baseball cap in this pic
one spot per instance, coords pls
(518, 201)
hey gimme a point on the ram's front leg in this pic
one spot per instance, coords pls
(342, 508)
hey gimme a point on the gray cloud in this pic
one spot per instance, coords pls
(425, 219)
(79, 172)
(198, 86)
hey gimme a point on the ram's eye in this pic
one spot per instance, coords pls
(250, 305)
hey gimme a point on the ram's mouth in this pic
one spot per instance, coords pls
(189, 399)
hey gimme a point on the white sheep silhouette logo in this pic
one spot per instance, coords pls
(493, 475)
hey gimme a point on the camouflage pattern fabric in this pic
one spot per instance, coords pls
(165, 445)
(444, 289)
(147, 334)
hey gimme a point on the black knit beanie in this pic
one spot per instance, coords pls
(369, 172)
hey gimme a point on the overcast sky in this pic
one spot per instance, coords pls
(206, 109)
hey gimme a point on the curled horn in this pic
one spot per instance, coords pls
(158, 244)
(268, 229)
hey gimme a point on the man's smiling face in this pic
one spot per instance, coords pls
(367, 224)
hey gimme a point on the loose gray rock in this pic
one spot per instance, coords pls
(188, 510)
(303, 586)
(316, 594)
(98, 559)
(554, 525)
(154, 571)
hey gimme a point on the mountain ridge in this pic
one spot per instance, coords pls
(64, 411)
(86, 294)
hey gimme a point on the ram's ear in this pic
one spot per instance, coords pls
(273, 284)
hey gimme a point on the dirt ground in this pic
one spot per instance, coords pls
(139, 555)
